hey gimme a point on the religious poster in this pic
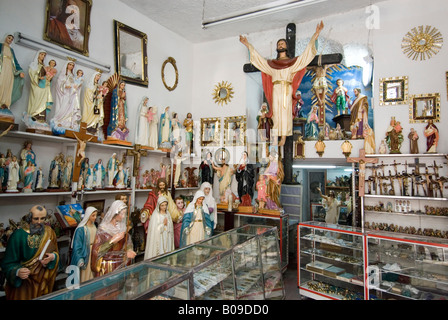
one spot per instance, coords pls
(69, 215)
(351, 79)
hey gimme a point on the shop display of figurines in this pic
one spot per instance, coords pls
(428, 232)
(20, 173)
(151, 176)
(416, 183)
(92, 175)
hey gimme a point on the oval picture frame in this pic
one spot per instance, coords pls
(172, 61)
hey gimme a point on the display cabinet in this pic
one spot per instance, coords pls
(281, 222)
(402, 266)
(330, 261)
(243, 263)
(406, 193)
(340, 262)
(139, 281)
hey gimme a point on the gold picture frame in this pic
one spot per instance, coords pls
(394, 91)
(235, 131)
(68, 26)
(424, 107)
(131, 57)
(166, 74)
(210, 132)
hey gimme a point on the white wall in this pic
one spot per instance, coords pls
(162, 43)
(224, 59)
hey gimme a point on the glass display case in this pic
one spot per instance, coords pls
(406, 267)
(242, 263)
(282, 224)
(138, 281)
(330, 261)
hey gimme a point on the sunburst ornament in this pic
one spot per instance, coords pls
(223, 92)
(422, 43)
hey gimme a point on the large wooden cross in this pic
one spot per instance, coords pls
(83, 137)
(362, 160)
(137, 152)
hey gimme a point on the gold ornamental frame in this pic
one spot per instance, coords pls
(171, 61)
(210, 131)
(235, 131)
(424, 107)
(394, 91)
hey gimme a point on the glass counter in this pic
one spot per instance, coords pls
(242, 263)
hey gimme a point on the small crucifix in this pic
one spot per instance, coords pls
(362, 160)
(83, 137)
(417, 165)
(137, 153)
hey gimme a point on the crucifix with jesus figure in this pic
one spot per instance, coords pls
(362, 160)
(83, 137)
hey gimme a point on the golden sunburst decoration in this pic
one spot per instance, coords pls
(223, 92)
(422, 42)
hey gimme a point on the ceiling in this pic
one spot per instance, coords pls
(185, 17)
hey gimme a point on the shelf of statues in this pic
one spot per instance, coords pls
(391, 227)
(403, 207)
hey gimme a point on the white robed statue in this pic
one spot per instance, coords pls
(160, 236)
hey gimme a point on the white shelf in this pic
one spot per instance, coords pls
(408, 214)
(405, 155)
(33, 194)
(404, 197)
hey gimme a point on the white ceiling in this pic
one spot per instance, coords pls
(185, 17)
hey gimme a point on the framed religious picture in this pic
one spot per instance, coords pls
(98, 204)
(393, 91)
(67, 24)
(235, 131)
(210, 131)
(424, 107)
(131, 57)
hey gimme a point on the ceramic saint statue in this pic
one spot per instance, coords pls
(40, 99)
(394, 136)
(312, 124)
(432, 137)
(264, 123)
(13, 175)
(26, 155)
(92, 108)
(281, 77)
(112, 169)
(189, 126)
(340, 97)
(100, 173)
(175, 127)
(67, 107)
(117, 128)
(12, 78)
(165, 129)
(413, 141)
(359, 112)
(142, 129)
(153, 120)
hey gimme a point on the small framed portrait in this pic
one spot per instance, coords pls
(98, 204)
(235, 131)
(210, 131)
(394, 91)
(424, 107)
(67, 24)
(131, 56)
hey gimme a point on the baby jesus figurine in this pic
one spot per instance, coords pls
(50, 70)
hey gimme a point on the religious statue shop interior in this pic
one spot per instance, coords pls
(159, 92)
